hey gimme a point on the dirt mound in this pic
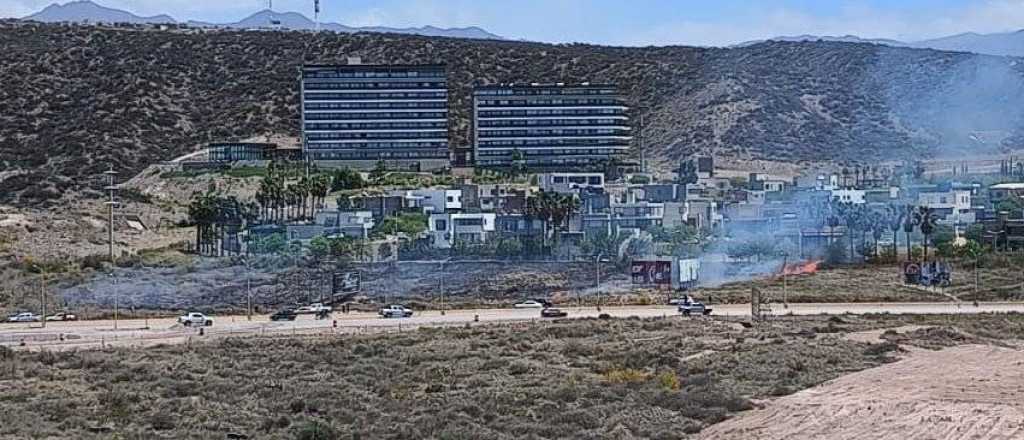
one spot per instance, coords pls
(920, 397)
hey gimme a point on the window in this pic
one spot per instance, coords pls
(469, 222)
(441, 225)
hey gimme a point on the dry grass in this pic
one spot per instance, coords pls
(625, 378)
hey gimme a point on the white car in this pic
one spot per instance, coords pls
(529, 304)
(62, 316)
(194, 318)
(313, 309)
(23, 317)
(395, 311)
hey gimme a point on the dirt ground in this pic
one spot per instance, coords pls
(966, 392)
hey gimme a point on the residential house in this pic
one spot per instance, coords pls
(952, 206)
(569, 182)
(447, 228)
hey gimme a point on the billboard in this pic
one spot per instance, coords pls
(651, 271)
(345, 282)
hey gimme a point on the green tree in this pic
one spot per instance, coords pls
(925, 219)
(345, 179)
(380, 171)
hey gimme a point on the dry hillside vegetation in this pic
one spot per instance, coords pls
(75, 98)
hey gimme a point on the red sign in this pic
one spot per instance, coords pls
(651, 272)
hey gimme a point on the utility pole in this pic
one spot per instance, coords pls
(316, 14)
(597, 266)
(785, 285)
(248, 291)
(110, 209)
(116, 296)
(42, 295)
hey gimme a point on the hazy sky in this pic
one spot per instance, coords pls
(621, 22)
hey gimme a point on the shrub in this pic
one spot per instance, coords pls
(625, 375)
(669, 380)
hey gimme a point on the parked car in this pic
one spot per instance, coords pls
(315, 308)
(195, 318)
(62, 316)
(552, 312)
(284, 315)
(689, 306)
(395, 311)
(529, 304)
(23, 317)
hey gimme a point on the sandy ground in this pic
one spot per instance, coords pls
(967, 392)
(138, 332)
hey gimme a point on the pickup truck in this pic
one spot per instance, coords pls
(395, 311)
(315, 308)
(194, 318)
(689, 307)
(62, 316)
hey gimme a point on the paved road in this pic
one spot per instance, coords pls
(88, 334)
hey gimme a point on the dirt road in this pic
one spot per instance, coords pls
(84, 334)
(967, 392)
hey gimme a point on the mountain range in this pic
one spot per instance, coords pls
(85, 11)
(999, 44)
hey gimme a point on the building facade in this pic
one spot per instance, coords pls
(553, 126)
(358, 114)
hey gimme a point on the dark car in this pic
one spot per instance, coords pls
(552, 313)
(284, 315)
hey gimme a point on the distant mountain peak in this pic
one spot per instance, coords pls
(87, 11)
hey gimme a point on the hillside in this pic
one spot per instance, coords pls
(75, 98)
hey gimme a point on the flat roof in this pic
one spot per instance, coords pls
(1008, 186)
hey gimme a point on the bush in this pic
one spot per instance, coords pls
(316, 430)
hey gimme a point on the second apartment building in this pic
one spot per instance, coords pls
(549, 126)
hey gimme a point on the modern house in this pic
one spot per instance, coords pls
(357, 114)
(549, 126)
(951, 206)
(431, 200)
(445, 229)
(570, 182)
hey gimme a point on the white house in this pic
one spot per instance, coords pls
(432, 200)
(854, 196)
(952, 206)
(446, 229)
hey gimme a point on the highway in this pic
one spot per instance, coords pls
(139, 332)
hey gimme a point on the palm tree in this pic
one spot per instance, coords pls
(895, 221)
(925, 219)
(909, 223)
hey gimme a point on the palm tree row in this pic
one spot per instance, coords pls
(216, 216)
(281, 200)
(553, 210)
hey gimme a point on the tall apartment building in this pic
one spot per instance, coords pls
(551, 126)
(358, 114)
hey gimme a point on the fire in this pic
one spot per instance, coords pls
(800, 268)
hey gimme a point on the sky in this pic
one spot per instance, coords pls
(620, 22)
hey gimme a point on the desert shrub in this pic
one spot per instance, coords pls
(669, 380)
(315, 430)
(625, 375)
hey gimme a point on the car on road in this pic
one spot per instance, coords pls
(530, 304)
(552, 312)
(284, 315)
(62, 316)
(314, 309)
(395, 311)
(23, 317)
(689, 307)
(195, 319)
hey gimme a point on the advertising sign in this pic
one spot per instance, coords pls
(651, 272)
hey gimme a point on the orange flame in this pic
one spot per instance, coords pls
(800, 268)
